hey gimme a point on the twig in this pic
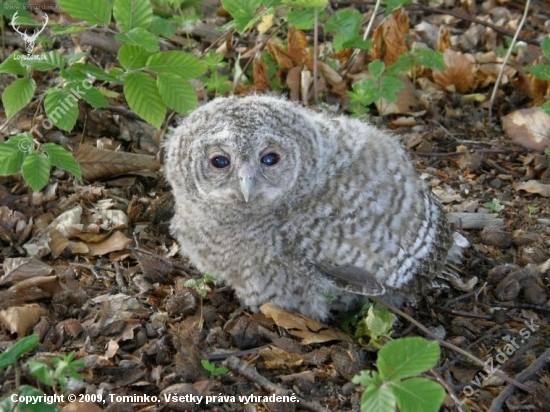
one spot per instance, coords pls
(450, 346)
(315, 57)
(448, 387)
(262, 47)
(353, 56)
(471, 19)
(541, 361)
(505, 62)
(249, 372)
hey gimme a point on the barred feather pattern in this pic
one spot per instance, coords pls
(342, 195)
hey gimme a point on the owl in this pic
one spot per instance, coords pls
(303, 209)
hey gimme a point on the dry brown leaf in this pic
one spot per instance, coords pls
(406, 102)
(283, 59)
(297, 47)
(276, 358)
(58, 243)
(459, 73)
(117, 241)
(293, 80)
(528, 127)
(21, 319)
(389, 38)
(99, 163)
(259, 74)
(309, 330)
(66, 224)
(50, 285)
(533, 186)
(333, 78)
(17, 269)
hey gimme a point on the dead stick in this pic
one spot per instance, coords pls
(541, 361)
(454, 348)
(249, 372)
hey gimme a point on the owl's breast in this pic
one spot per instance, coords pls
(227, 249)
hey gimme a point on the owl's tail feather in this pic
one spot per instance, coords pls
(353, 279)
(451, 272)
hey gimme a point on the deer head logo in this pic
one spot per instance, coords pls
(28, 39)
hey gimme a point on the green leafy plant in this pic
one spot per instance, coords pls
(22, 154)
(219, 84)
(213, 369)
(202, 289)
(494, 205)
(152, 81)
(532, 209)
(377, 86)
(542, 70)
(64, 367)
(397, 384)
(376, 326)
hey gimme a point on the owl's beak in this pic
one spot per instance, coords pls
(246, 175)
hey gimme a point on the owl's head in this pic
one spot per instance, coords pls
(241, 152)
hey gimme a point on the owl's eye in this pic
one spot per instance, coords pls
(270, 159)
(220, 162)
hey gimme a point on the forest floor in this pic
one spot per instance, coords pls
(107, 281)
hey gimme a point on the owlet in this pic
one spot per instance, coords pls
(301, 208)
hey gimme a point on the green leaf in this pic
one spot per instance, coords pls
(133, 57)
(17, 95)
(541, 71)
(139, 37)
(418, 395)
(95, 98)
(213, 369)
(401, 66)
(346, 23)
(13, 153)
(179, 63)
(389, 87)
(432, 59)
(31, 392)
(92, 11)
(41, 371)
(73, 74)
(379, 399)
(61, 108)
(62, 159)
(163, 27)
(36, 170)
(144, 99)
(9, 7)
(75, 57)
(376, 68)
(130, 14)
(56, 31)
(95, 72)
(46, 61)
(546, 107)
(305, 3)
(13, 66)
(406, 357)
(545, 47)
(243, 12)
(11, 356)
(379, 322)
(177, 93)
(302, 18)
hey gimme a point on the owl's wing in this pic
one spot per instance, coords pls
(353, 279)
